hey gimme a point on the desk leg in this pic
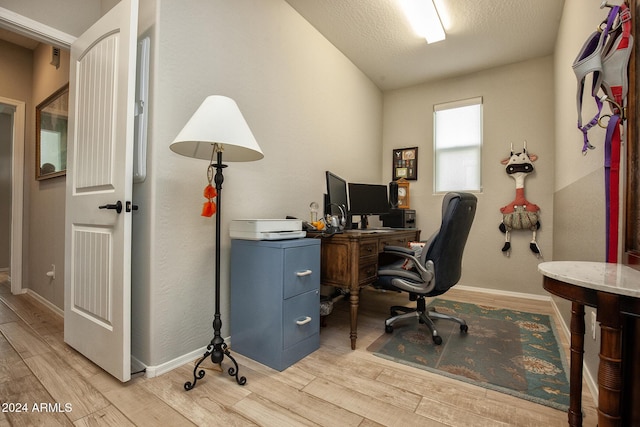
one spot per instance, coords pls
(354, 299)
(610, 367)
(575, 374)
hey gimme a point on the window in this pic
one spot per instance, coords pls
(457, 145)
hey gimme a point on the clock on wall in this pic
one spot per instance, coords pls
(403, 193)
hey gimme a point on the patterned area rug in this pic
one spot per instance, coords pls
(509, 351)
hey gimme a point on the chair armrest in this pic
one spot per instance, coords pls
(409, 254)
(398, 250)
(401, 252)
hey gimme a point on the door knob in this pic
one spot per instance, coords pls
(117, 206)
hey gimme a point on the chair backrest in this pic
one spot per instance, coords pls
(446, 246)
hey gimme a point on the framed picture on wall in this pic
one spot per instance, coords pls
(405, 163)
(52, 116)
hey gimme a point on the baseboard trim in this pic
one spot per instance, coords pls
(154, 371)
(51, 306)
(504, 293)
(136, 364)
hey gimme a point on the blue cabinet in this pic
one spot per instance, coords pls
(275, 300)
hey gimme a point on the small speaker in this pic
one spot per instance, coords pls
(393, 194)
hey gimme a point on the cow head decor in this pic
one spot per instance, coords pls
(520, 214)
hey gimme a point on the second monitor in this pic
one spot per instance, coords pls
(367, 199)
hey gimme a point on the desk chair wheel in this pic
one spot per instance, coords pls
(388, 329)
(437, 340)
(464, 328)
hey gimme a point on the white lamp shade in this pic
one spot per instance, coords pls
(218, 120)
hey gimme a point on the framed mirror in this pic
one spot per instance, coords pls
(52, 116)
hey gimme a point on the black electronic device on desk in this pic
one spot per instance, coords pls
(366, 200)
(399, 218)
(337, 203)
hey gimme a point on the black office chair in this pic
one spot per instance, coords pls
(436, 270)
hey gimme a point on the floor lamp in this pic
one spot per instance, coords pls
(217, 128)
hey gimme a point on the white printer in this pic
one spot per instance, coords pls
(266, 229)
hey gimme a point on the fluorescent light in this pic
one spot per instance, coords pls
(424, 19)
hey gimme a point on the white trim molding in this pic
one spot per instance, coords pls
(154, 371)
(33, 29)
(504, 293)
(45, 302)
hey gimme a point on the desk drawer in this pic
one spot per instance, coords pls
(367, 270)
(368, 248)
(402, 241)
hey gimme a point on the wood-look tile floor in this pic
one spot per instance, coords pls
(334, 386)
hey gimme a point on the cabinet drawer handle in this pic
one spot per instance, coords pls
(304, 273)
(304, 321)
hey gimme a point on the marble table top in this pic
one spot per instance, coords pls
(607, 277)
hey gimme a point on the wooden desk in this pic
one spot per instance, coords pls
(350, 260)
(614, 290)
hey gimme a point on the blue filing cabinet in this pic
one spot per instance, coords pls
(275, 300)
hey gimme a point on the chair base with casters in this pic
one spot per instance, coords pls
(424, 317)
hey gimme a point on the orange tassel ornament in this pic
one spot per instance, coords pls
(209, 207)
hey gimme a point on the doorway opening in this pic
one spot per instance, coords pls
(16, 27)
(12, 120)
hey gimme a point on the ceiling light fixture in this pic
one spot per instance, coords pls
(424, 19)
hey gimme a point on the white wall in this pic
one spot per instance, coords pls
(517, 106)
(310, 110)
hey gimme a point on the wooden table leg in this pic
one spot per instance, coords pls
(610, 367)
(354, 299)
(575, 374)
(631, 370)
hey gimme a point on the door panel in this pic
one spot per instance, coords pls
(100, 174)
(96, 79)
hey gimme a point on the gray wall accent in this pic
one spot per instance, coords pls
(579, 234)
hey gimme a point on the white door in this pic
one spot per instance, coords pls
(97, 307)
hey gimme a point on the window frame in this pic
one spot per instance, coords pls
(478, 100)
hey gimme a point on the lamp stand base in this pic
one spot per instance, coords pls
(217, 350)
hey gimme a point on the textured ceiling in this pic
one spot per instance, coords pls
(481, 34)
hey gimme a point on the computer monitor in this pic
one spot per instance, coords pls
(336, 195)
(368, 199)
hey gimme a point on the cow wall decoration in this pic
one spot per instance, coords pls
(520, 214)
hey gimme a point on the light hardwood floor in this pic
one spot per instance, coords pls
(334, 386)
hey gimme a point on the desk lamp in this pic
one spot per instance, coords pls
(216, 128)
